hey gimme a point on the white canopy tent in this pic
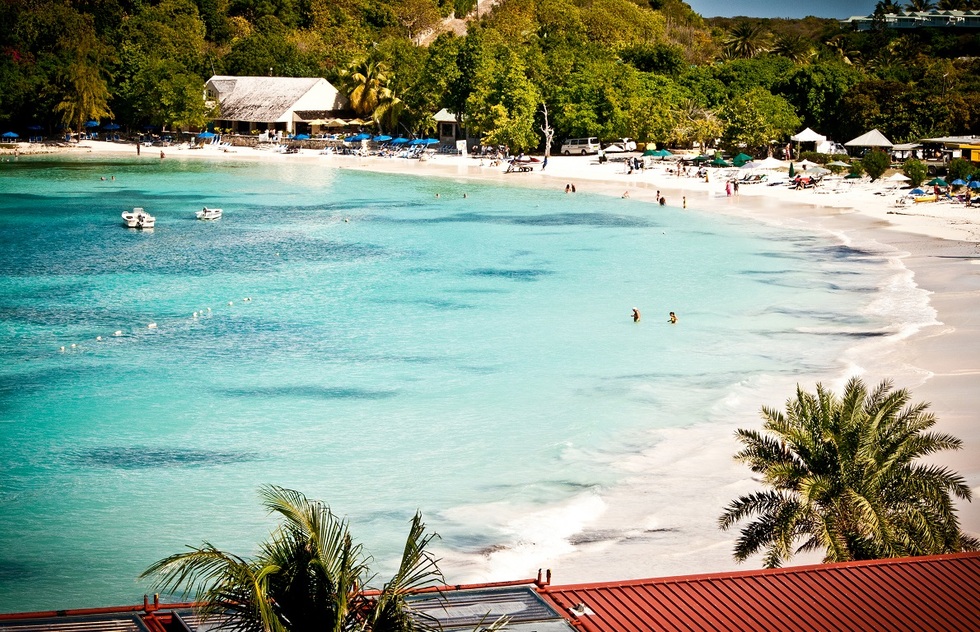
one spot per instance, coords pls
(874, 138)
(808, 136)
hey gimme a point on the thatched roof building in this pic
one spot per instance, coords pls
(247, 103)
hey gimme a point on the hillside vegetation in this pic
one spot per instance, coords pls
(652, 70)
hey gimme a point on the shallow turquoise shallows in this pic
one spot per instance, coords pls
(364, 341)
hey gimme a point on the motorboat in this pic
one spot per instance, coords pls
(138, 218)
(209, 213)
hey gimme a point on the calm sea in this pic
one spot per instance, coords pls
(353, 336)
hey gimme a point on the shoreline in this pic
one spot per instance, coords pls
(938, 244)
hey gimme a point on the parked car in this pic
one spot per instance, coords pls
(580, 146)
(620, 144)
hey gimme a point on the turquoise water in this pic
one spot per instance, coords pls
(399, 352)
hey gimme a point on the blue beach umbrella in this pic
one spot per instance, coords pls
(359, 137)
(975, 184)
(958, 182)
(10, 135)
(428, 141)
(206, 134)
(917, 192)
(301, 137)
(92, 124)
(111, 127)
(399, 141)
(382, 138)
(35, 128)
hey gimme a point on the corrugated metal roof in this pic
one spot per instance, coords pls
(112, 623)
(925, 593)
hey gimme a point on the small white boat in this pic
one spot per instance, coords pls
(209, 213)
(138, 218)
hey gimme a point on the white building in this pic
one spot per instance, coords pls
(273, 103)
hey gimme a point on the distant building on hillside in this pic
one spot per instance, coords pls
(285, 104)
(959, 20)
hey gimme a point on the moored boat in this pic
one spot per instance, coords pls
(138, 218)
(209, 213)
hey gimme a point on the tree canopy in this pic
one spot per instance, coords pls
(844, 477)
(652, 70)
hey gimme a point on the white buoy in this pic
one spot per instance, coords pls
(73, 345)
(209, 309)
(152, 326)
(195, 314)
(231, 302)
(62, 350)
(118, 332)
(99, 338)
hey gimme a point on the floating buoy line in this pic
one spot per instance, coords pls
(151, 326)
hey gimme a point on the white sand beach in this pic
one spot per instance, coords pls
(939, 245)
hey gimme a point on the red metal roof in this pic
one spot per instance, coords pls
(940, 592)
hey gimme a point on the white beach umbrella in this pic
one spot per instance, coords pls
(770, 163)
(898, 177)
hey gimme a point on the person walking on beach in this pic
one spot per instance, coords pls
(137, 148)
(636, 315)
(544, 164)
(735, 186)
(728, 188)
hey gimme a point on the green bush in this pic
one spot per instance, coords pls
(463, 7)
(875, 163)
(815, 156)
(857, 168)
(916, 171)
(960, 168)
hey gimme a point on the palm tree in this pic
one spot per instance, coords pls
(308, 576)
(388, 110)
(746, 41)
(921, 5)
(365, 82)
(844, 479)
(794, 47)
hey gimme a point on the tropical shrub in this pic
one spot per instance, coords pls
(916, 171)
(960, 169)
(875, 163)
(844, 477)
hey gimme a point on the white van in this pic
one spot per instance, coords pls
(580, 146)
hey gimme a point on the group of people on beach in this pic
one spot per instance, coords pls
(672, 318)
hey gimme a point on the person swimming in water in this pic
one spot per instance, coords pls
(636, 315)
(672, 319)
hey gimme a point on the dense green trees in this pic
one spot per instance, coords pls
(844, 478)
(607, 68)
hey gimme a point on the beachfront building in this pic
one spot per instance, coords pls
(936, 19)
(451, 133)
(280, 104)
(946, 148)
(940, 592)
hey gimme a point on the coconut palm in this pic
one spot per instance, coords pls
(844, 479)
(921, 5)
(746, 40)
(308, 576)
(388, 110)
(364, 82)
(794, 47)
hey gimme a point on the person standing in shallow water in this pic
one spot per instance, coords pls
(673, 319)
(636, 315)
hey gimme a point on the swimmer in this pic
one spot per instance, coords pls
(663, 201)
(626, 194)
(685, 201)
(636, 315)
(437, 195)
(673, 318)
(568, 188)
(465, 196)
